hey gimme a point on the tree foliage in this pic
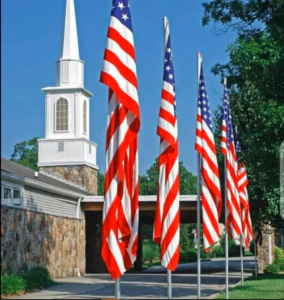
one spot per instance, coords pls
(255, 74)
(26, 153)
(148, 183)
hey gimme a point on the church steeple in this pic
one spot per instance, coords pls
(66, 151)
(70, 69)
(70, 47)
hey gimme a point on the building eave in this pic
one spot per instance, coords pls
(62, 89)
(39, 185)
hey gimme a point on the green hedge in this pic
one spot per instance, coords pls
(272, 269)
(189, 255)
(280, 263)
(279, 253)
(35, 279)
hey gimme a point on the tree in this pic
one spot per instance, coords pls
(255, 74)
(101, 184)
(26, 153)
(148, 183)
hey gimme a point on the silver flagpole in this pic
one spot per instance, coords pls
(169, 272)
(117, 289)
(226, 229)
(255, 254)
(242, 260)
(198, 199)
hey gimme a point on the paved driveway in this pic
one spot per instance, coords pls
(151, 284)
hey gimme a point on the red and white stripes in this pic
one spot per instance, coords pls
(167, 218)
(247, 229)
(210, 183)
(233, 220)
(120, 214)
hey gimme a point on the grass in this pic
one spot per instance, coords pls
(248, 253)
(261, 287)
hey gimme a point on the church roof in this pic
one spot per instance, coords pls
(19, 170)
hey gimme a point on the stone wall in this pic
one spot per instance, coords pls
(30, 239)
(81, 175)
(263, 250)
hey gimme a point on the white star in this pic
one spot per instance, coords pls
(124, 17)
(211, 125)
(121, 6)
(203, 95)
(128, 5)
(202, 87)
(113, 7)
(169, 50)
(204, 102)
(204, 109)
(199, 102)
(205, 117)
(171, 76)
(166, 60)
(168, 68)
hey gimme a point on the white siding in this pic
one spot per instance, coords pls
(48, 203)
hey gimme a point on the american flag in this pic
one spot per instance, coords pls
(210, 182)
(166, 227)
(120, 214)
(233, 219)
(244, 199)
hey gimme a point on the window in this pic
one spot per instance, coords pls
(60, 146)
(85, 116)
(11, 196)
(62, 115)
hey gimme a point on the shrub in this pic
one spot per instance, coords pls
(217, 251)
(280, 263)
(272, 269)
(182, 256)
(192, 255)
(11, 284)
(35, 279)
(279, 253)
(204, 255)
(251, 247)
(189, 255)
(150, 251)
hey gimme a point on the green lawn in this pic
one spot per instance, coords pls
(261, 287)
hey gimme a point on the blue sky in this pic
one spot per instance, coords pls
(31, 44)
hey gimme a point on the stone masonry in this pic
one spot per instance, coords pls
(263, 250)
(80, 175)
(30, 239)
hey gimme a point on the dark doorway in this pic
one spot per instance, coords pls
(94, 261)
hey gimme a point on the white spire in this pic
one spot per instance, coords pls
(70, 47)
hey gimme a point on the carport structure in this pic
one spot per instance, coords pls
(93, 207)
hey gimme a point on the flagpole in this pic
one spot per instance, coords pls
(117, 289)
(198, 201)
(242, 260)
(255, 260)
(169, 272)
(226, 229)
